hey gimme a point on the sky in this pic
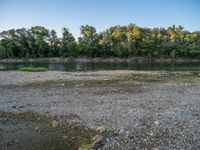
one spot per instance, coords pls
(102, 14)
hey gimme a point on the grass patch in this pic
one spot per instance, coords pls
(33, 69)
(86, 145)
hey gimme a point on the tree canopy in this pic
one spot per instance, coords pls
(117, 41)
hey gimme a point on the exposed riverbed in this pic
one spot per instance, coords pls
(140, 110)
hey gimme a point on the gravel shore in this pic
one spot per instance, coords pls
(137, 115)
(18, 77)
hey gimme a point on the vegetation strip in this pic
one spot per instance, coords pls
(117, 41)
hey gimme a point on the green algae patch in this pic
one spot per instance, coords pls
(33, 69)
(86, 145)
(32, 131)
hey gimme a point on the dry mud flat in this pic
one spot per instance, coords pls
(135, 110)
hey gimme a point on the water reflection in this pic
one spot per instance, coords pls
(101, 66)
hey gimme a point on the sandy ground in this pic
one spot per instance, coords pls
(140, 115)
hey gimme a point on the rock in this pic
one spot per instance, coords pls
(156, 122)
(93, 127)
(14, 106)
(79, 85)
(118, 131)
(101, 129)
(37, 129)
(16, 141)
(10, 143)
(61, 84)
(38, 119)
(55, 124)
(64, 137)
(121, 131)
(98, 141)
(81, 148)
(151, 133)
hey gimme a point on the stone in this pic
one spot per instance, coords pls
(79, 85)
(101, 129)
(55, 124)
(121, 131)
(98, 141)
(93, 127)
(64, 137)
(14, 106)
(10, 143)
(38, 119)
(16, 141)
(37, 129)
(81, 148)
(156, 122)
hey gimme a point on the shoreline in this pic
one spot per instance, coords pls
(112, 76)
(134, 60)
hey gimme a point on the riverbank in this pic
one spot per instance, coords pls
(136, 109)
(20, 77)
(138, 60)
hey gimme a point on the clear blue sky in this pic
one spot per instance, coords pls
(55, 14)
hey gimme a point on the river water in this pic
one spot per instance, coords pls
(90, 66)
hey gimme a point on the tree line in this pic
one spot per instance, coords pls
(117, 41)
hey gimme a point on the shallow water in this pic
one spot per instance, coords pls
(86, 66)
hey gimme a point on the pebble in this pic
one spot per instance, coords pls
(93, 127)
(79, 85)
(55, 124)
(65, 137)
(121, 131)
(80, 148)
(156, 122)
(98, 141)
(37, 129)
(101, 129)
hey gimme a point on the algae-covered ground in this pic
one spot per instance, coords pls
(139, 110)
(34, 131)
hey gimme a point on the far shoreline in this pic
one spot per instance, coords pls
(134, 60)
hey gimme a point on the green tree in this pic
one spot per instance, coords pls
(3, 52)
(134, 35)
(88, 42)
(54, 44)
(41, 35)
(116, 41)
(68, 44)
